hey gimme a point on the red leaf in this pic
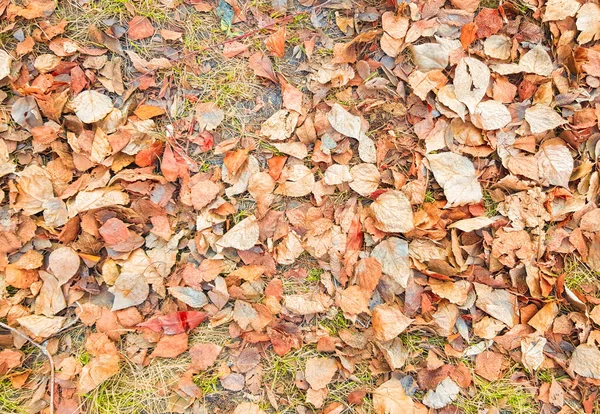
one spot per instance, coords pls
(488, 22)
(146, 157)
(173, 165)
(175, 323)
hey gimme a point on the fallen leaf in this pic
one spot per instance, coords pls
(390, 398)
(204, 355)
(542, 118)
(139, 28)
(392, 212)
(91, 106)
(209, 116)
(242, 236)
(456, 174)
(445, 393)
(63, 263)
(175, 323)
(276, 42)
(471, 81)
(498, 303)
(344, 122)
(388, 322)
(171, 346)
(320, 371)
(585, 361)
(41, 326)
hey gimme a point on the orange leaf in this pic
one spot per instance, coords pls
(468, 34)
(276, 42)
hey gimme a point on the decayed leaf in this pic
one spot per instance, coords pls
(392, 212)
(276, 42)
(320, 371)
(491, 115)
(242, 236)
(471, 81)
(92, 106)
(472, 224)
(204, 355)
(171, 346)
(456, 174)
(189, 296)
(390, 398)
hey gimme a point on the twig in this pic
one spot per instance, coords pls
(44, 351)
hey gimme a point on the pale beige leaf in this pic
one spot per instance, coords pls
(63, 263)
(537, 61)
(445, 392)
(497, 303)
(491, 115)
(532, 351)
(320, 371)
(91, 200)
(430, 56)
(588, 23)
(41, 326)
(280, 125)
(497, 47)
(392, 212)
(91, 106)
(389, 322)
(456, 174)
(130, 289)
(585, 361)
(344, 122)
(365, 179)
(471, 81)
(98, 370)
(337, 174)
(560, 9)
(5, 60)
(242, 236)
(555, 163)
(392, 253)
(471, 224)
(300, 181)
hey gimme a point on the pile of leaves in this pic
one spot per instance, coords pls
(420, 204)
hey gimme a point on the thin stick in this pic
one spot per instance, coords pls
(44, 351)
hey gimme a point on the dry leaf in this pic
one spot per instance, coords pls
(388, 322)
(456, 175)
(471, 81)
(320, 371)
(392, 212)
(91, 106)
(242, 236)
(390, 398)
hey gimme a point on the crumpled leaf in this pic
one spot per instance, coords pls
(532, 351)
(300, 181)
(63, 263)
(91, 106)
(456, 174)
(392, 212)
(280, 125)
(491, 115)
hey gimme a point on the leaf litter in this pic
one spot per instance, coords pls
(380, 208)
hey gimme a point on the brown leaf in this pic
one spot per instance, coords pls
(171, 346)
(276, 42)
(139, 28)
(489, 365)
(262, 66)
(388, 322)
(320, 371)
(204, 355)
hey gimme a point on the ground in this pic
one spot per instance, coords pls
(215, 207)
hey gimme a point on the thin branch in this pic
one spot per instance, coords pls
(44, 351)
